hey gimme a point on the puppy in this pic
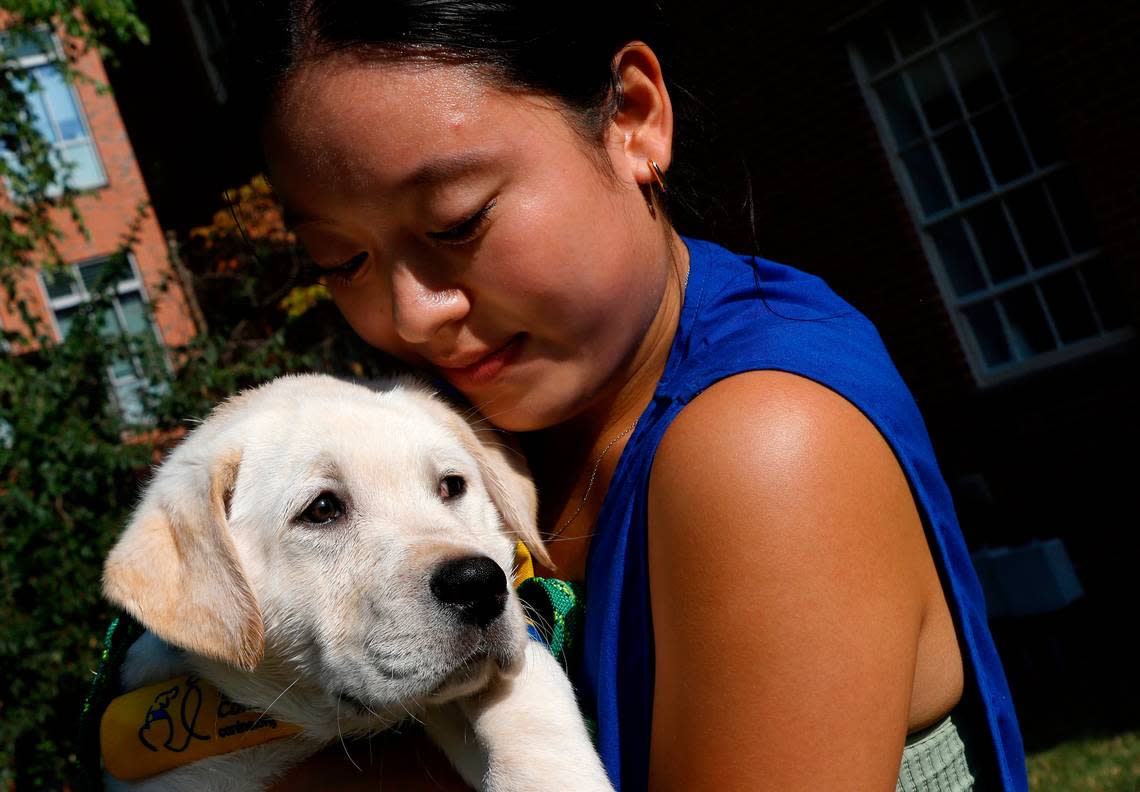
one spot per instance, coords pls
(338, 557)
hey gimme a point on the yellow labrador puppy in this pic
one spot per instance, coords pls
(339, 556)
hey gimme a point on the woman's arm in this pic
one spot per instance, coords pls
(790, 578)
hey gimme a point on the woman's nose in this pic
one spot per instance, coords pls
(421, 308)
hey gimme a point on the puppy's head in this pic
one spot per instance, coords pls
(358, 540)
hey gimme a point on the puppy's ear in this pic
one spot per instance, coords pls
(512, 490)
(505, 474)
(176, 569)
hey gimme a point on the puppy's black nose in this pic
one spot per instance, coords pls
(475, 585)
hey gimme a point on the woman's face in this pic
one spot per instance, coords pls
(471, 230)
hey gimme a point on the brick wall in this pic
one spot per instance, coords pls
(108, 214)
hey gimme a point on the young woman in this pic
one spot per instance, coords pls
(778, 594)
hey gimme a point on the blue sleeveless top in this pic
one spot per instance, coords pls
(745, 314)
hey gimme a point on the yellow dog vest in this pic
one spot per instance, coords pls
(159, 727)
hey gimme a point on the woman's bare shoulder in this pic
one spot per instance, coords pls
(785, 558)
(768, 458)
(772, 423)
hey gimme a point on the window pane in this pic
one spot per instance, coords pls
(1068, 306)
(949, 16)
(122, 367)
(957, 257)
(1069, 200)
(1001, 145)
(962, 163)
(910, 29)
(999, 251)
(1031, 335)
(1039, 130)
(64, 319)
(109, 325)
(122, 324)
(128, 395)
(122, 364)
(926, 180)
(134, 312)
(25, 44)
(900, 112)
(85, 170)
(875, 50)
(60, 102)
(56, 117)
(105, 273)
(60, 283)
(990, 337)
(92, 274)
(1036, 226)
(1104, 286)
(1003, 51)
(933, 91)
(36, 106)
(976, 80)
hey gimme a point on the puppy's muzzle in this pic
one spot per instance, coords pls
(474, 587)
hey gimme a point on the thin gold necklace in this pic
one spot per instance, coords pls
(609, 445)
(594, 475)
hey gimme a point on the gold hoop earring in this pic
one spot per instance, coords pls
(658, 175)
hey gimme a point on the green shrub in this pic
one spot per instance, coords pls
(66, 480)
(70, 471)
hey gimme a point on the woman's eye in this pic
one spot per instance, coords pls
(451, 487)
(341, 274)
(325, 508)
(466, 230)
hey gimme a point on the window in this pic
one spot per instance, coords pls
(1000, 213)
(126, 317)
(56, 112)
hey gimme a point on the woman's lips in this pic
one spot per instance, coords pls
(486, 368)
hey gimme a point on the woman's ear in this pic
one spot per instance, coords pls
(644, 122)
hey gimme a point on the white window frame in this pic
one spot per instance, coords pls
(80, 296)
(29, 62)
(984, 375)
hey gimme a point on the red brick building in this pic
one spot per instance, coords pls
(85, 127)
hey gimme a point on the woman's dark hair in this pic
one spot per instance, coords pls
(562, 50)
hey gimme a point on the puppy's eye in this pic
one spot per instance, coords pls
(451, 487)
(325, 508)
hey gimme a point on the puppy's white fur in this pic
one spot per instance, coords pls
(334, 627)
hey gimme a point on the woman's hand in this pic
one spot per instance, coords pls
(406, 761)
(793, 596)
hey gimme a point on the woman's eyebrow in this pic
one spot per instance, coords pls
(447, 168)
(429, 174)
